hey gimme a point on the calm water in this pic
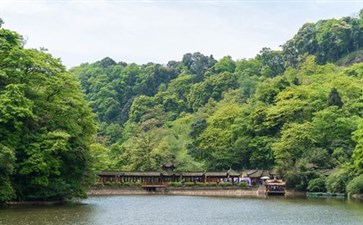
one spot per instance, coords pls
(171, 210)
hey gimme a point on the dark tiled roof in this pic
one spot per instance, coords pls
(127, 173)
(255, 173)
(233, 173)
(192, 174)
(216, 174)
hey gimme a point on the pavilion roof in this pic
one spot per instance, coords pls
(216, 174)
(192, 174)
(254, 173)
(233, 173)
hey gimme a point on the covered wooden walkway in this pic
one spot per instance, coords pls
(164, 177)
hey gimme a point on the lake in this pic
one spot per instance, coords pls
(184, 210)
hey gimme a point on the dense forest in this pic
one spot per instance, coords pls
(298, 110)
(46, 126)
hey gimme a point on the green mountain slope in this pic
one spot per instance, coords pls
(292, 110)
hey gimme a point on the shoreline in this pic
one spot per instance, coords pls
(191, 191)
(35, 203)
(250, 192)
(358, 196)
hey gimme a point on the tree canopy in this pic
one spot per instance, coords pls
(46, 126)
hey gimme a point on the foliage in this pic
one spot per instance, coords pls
(358, 151)
(7, 160)
(241, 184)
(337, 181)
(355, 186)
(100, 157)
(174, 184)
(45, 126)
(292, 110)
(225, 184)
(328, 40)
(226, 64)
(317, 184)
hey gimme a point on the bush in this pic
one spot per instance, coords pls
(355, 186)
(6, 190)
(174, 184)
(201, 184)
(317, 184)
(337, 181)
(189, 184)
(211, 184)
(241, 184)
(225, 184)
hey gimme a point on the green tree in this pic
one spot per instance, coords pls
(7, 163)
(355, 186)
(358, 151)
(226, 64)
(337, 181)
(317, 184)
(214, 142)
(212, 87)
(146, 151)
(45, 125)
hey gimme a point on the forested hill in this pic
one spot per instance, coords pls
(297, 110)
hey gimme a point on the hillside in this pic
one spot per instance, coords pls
(293, 110)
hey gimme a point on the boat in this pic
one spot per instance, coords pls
(275, 187)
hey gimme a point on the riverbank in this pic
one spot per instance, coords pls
(190, 191)
(358, 196)
(34, 203)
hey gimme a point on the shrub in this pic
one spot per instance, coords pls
(189, 184)
(241, 184)
(201, 184)
(337, 181)
(175, 184)
(211, 184)
(108, 183)
(355, 186)
(317, 184)
(225, 184)
(126, 184)
(299, 180)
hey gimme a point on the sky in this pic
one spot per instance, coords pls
(80, 31)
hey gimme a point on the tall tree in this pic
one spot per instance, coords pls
(45, 125)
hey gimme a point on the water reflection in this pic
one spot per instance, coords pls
(47, 215)
(183, 210)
